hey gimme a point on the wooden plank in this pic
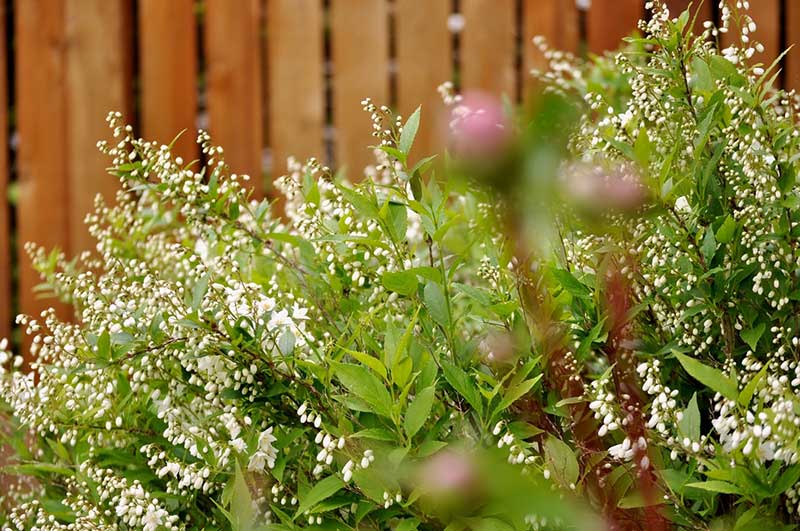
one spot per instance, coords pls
(558, 21)
(488, 46)
(99, 79)
(767, 16)
(6, 318)
(296, 106)
(360, 52)
(43, 207)
(233, 56)
(168, 59)
(792, 59)
(608, 21)
(424, 61)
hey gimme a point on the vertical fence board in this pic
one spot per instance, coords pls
(233, 56)
(99, 80)
(360, 50)
(792, 59)
(5, 226)
(295, 80)
(43, 207)
(422, 33)
(488, 46)
(168, 59)
(767, 16)
(555, 20)
(608, 21)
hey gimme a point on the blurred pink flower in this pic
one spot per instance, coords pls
(447, 472)
(599, 188)
(478, 126)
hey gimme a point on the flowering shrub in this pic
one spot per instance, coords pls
(421, 351)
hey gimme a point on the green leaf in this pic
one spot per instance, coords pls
(712, 378)
(363, 204)
(396, 220)
(436, 303)
(561, 458)
(461, 382)
(709, 245)
(689, 425)
(568, 282)
(409, 131)
(199, 291)
(750, 389)
(242, 513)
(419, 410)
(319, 492)
(752, 335)
(402, 282)
(516, 392)
(726, 230)
(723, 487)
(364, 385)
(787, 480)
(409, 524)
(376, 434)
(370, 361)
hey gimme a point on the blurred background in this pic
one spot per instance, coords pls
(268, 78)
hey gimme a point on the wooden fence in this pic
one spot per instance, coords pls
(269, 78)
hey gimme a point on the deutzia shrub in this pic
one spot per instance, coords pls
(604, 310)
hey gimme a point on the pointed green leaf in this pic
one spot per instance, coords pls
(419, 410)
(409, 131)
(712, 378)
(319, 492)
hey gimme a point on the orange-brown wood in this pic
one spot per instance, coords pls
(233, 56)
(98, 81)
(423, 34)
(295, 81)
(608, 21)
(488, 46)
(168, 69)
(360, 51)
(43, 208)
(767, 16)
(555, 20)
(5, 225)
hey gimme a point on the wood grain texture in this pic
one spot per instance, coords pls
(360, 52)
(43, 206)
(608, 21)
(558, 21)
(423, 33)
(168, 70)
(233, 56)
(99, 79)
(488, 46)
(295, 81)
(6, 318)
